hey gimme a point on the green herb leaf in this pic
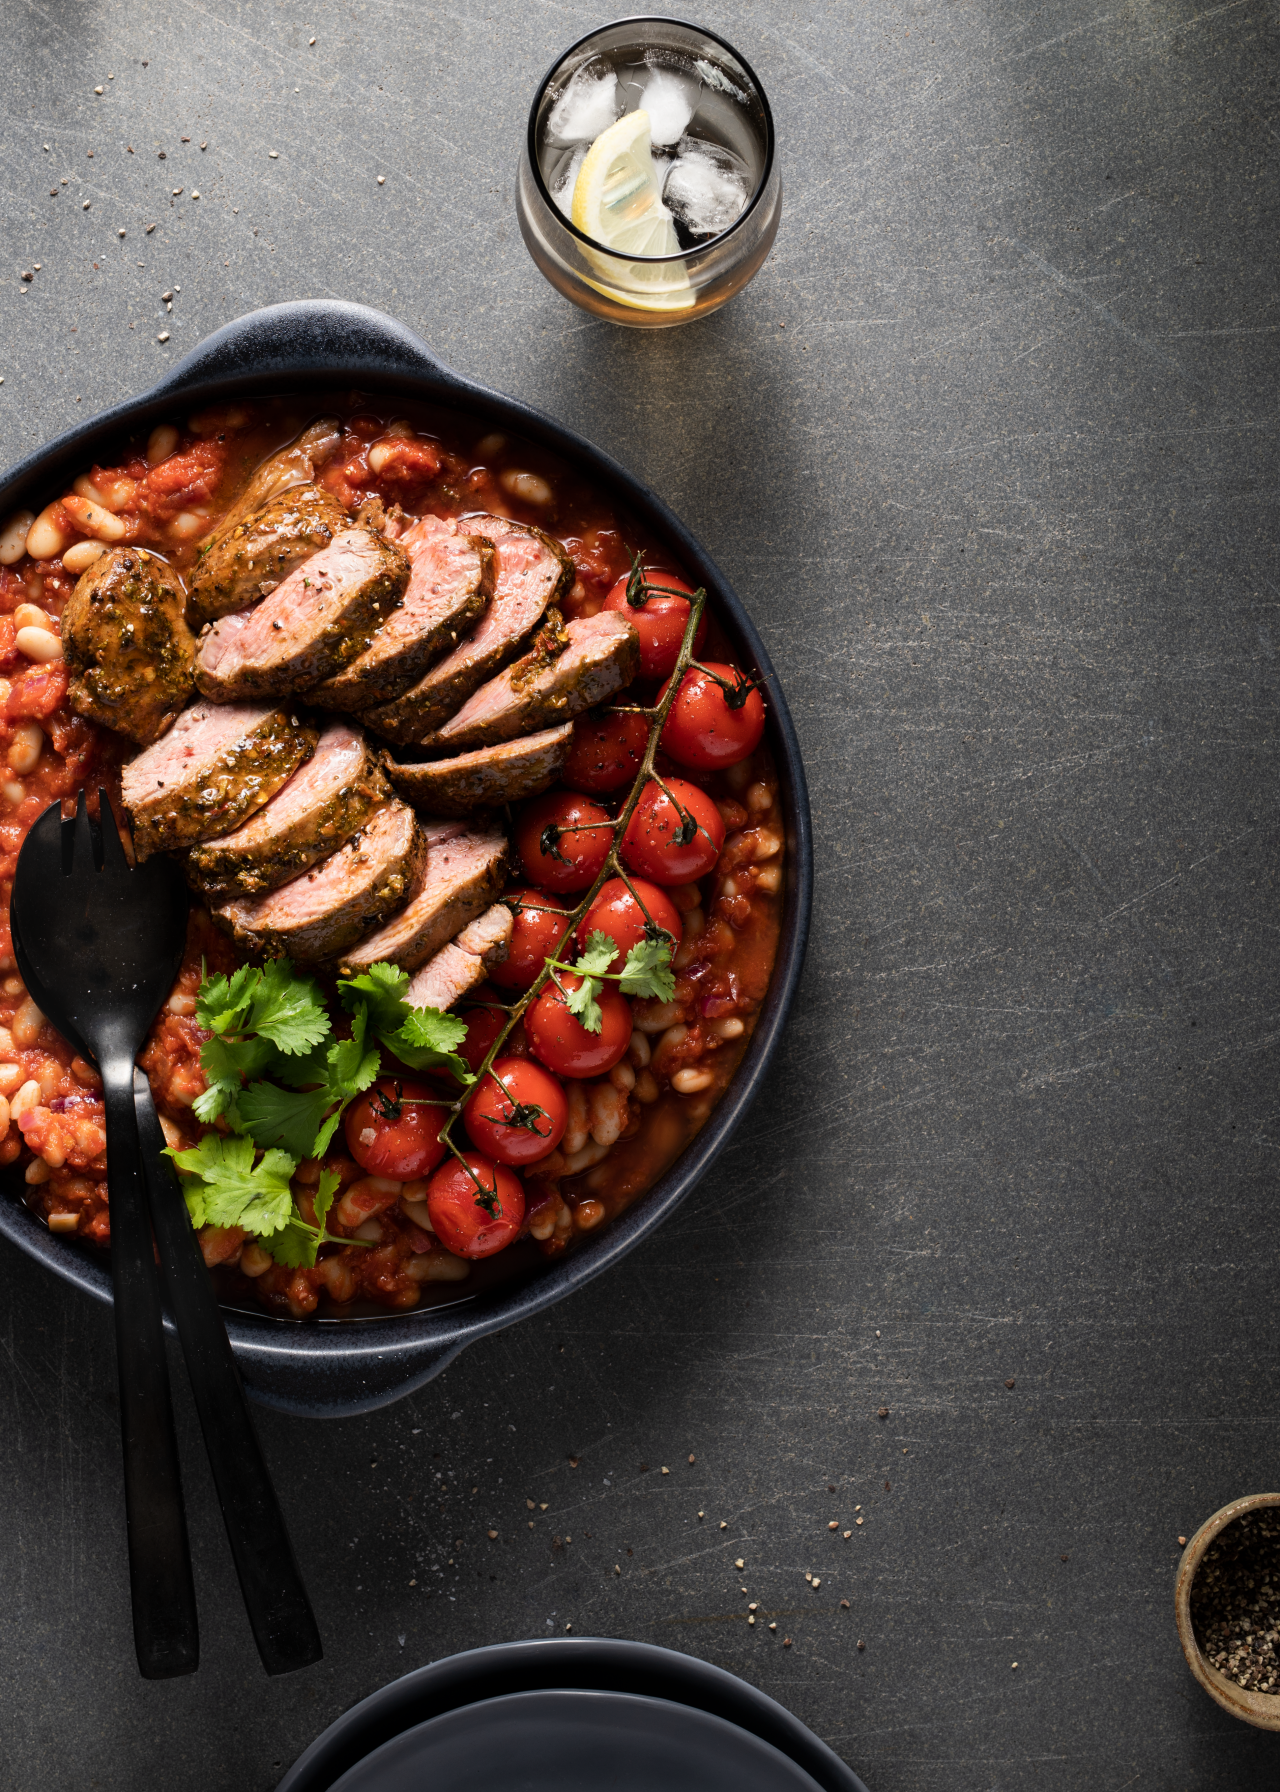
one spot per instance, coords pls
(582, 1003)
(222, 1003)
(287, 1008)
(288, 1119)
(421, 1038)
(232, 1190)
(599, 955)
(381, 990)
(330, 1183)
(647, 971)
(227, 1063)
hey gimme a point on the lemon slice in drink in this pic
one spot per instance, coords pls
(617, 202)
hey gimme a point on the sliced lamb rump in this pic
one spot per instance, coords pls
(315, 622)
(217, 764)
(600, 655)
(485, 779)
(532, 571)
(464, 871)
(240, 568)
(329, 907)
(321, 806)
(449, 590)
(463, 963)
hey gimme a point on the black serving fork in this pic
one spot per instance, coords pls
(98, 944)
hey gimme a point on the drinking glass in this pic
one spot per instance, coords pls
(729, 131)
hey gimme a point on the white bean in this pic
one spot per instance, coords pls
(489, 446)
(647, 1087)
(25, 1029)
(39, 644)
(673, 1038)
(623, 1077)
(417, 1212)
(759, 798)
(4, 1118)
(639, 1052)
(254, 1261)
(767, 843)
(437, 1266)
(691, 1081)
(12, 791)
(28, 1097)
(578, 1125)
(590, 1154)
(5, 690)
(694, 922)
(608, 1108)
(187, 525)
(530, 488)
(25, 747)
(37, 1172)
(10, 1079)
(656, 1017)
(728, 1028)
(80, 556)
(64, 1222)
(161, 443)
(30, 616)
(13, 536)
(45, 539)
(769, 880)
(90, 519)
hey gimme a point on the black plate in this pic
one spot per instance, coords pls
(319, 349)
(419, 1718)
(571, 1741)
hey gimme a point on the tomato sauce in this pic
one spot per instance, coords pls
(624, 1129)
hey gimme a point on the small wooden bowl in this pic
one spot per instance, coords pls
(1262, 1709)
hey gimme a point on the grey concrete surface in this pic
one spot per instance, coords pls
(989, 448)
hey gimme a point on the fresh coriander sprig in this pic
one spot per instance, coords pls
(646, 971)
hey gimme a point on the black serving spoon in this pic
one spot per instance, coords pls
(98, 949)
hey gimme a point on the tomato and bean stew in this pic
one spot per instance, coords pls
(344, 1152)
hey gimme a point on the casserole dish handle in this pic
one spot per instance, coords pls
(304, 336)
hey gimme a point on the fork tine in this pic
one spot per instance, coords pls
(113, 858)
(83, 856)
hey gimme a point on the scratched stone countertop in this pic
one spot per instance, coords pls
(989, 450)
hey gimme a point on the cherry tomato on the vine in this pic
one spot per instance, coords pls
(605, 752)
(561, 1041)
(709, 726)
(518, 1113)
(538, 923)
(483, 1027)
(392, 1128)
(475, 1221)
(563, 840)
(616, 912)
(660, 622)
(673, 845)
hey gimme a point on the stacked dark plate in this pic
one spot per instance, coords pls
(572, 1714)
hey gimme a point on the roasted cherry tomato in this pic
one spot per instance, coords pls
(392, 1129)
(616, 912)
(712, 724)
(605, 753)
(535, 932)
(659, 621)
(563, 840)
(475, 1221)
(483, 1026)
(517, 1114)
(564, 1044)
(667, 845)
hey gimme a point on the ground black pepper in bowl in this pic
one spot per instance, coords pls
(1235, 1601)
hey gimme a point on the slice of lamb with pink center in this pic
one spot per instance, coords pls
(328, 908)
(216, 766)
(487, 778)
(465, 870)
(449, 590)
(464, 963)
(531, 572)
(315, 622)
(600, 655)
(321, 806)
